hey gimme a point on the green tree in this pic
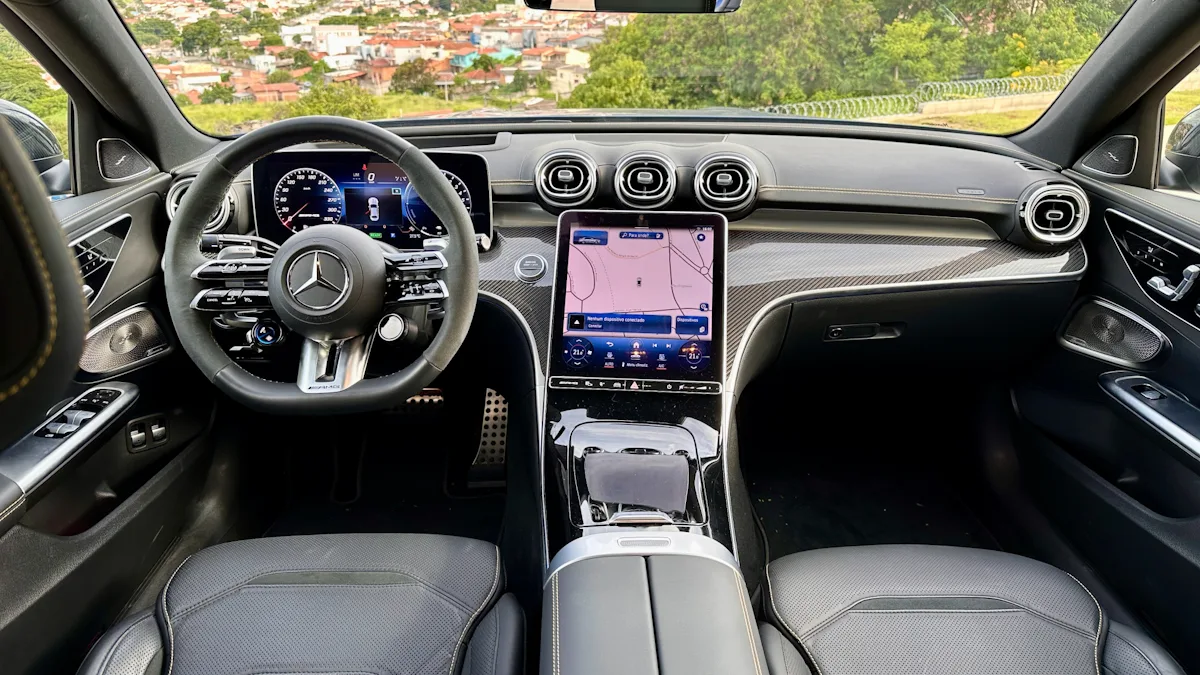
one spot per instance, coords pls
(911, 51)
(520, 82)
(262, 23)
(296, 39)
(623, 83)
(486, 63)
(342, 99)
(272, 40)
(278, 77)
(769, 51)
(182, 100)
(21, 81)
(1051, 36)
(317, 74)
(201, 36)
(152, 30)
(300, 57)
(225, 77)
(218, 93)
(412, 76)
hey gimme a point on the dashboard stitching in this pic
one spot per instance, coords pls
(933, 195)
(88, 210)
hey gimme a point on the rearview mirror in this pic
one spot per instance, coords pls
(640, 6)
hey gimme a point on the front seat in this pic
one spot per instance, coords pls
(935, 609)
(343, 604)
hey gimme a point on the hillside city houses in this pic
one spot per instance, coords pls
(550, 47)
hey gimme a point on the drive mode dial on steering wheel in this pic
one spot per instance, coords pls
(331, 285)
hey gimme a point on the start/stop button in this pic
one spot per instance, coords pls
(530, 268)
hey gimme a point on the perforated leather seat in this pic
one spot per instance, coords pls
(933, 609)
(348, 604)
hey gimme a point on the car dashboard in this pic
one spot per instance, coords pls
(809, 217)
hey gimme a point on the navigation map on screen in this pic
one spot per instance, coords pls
(639, 300)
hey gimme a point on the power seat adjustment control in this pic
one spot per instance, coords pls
(1162, 285)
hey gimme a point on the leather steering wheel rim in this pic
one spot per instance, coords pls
(204, 197)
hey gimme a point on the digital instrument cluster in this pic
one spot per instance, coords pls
(297, 189)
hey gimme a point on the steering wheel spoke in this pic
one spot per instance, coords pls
(333, 365)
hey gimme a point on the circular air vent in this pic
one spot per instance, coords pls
(645, 180)
(219, 219)
(566, 178)
(1054, 213)
(725, 182)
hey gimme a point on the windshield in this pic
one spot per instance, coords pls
(982, 65)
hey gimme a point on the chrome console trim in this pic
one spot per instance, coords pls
(640, 542)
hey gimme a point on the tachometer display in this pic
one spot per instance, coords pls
(307, 197)
(420, 216)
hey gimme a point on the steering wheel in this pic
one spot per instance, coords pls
(328, 283)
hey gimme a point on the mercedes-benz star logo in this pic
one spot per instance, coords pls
(318, 280)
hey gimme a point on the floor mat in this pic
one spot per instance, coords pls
(819, 505)
(390, 478)
(822, 473)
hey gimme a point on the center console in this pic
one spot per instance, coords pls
(636, 509)
(636, 375)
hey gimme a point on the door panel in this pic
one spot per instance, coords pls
(1114, 473)
(102, 507)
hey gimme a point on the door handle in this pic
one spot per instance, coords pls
(1164, 411)
(1163, 287)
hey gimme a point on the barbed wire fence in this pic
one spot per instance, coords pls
(905, 104)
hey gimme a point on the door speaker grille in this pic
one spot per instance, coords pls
(120, 161)
(124, 342)
(1111, 333)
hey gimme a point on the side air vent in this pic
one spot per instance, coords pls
(1054, 213)
(725, 182)
(566, 178)
(219, 219)
(645, 180)
(1028, 166)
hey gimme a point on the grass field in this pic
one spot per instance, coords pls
(1179, 103)
(222, 120)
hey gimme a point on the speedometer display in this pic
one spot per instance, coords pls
(298, 189)
(306, 197)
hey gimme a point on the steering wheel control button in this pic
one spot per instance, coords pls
(254, 299)
(318, 280)
(412, 292)
(530, 268)
(267, 333)
(391, 328)
(238, 268)
(418, 261)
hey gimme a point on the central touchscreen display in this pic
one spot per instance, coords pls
(639, 296)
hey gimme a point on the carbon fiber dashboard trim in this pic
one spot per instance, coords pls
(765, 266)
